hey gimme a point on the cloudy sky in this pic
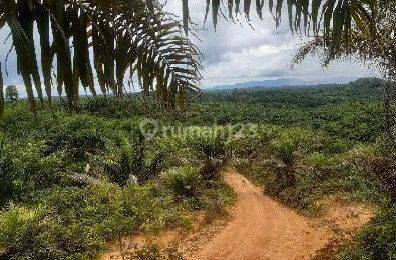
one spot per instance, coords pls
(237, 53)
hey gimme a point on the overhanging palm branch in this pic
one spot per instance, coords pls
(156, 50)
(335, 18)
(379, 53)
(1, 93)
(134, 36)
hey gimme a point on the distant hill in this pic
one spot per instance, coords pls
(276, 83)
(280, 83)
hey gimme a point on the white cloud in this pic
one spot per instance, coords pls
(238, 53)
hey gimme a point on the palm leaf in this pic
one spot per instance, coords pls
(22, 48)
(1, 93)
(43, 25)
(122, 35)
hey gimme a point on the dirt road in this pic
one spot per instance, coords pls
(262, 229)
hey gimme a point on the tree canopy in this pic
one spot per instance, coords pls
(11, 94)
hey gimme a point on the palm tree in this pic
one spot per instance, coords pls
(124, 36)
(1, 94)
(338, 17)
(379, 52)
(336, 22)
(340, 28)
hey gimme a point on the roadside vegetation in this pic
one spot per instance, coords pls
(73, 181)
(79, 172)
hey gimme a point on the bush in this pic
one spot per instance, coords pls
(376, 167)
(152, 251)
(73, 223)
(208, 145)
(24, 170)
(130, 158)
(77, 138)
(254, 141)
(378, 240)
(285, 149)
(320, 167)
(289, 143)
(184, 181)
(212, 151)
(36, 233)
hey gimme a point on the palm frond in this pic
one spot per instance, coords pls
(380, 52)
(23, 47)
(1, 93)
(317, 17)
(122, 35)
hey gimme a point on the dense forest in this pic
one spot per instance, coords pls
(73, 181)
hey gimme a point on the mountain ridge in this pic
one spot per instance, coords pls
(280, 83)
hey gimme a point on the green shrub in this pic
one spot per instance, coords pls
(376, 167)
(36, 233)
(129, 160)
(184, 181)
(130, 157)
(77, 137)
(24, 169)
(378, 240)
(216, 201)
(71, 223)
(211, 149)
(284, 149)
(152, 251)
(208, 144)
(253, 141)
(289, 142)
(320, 167)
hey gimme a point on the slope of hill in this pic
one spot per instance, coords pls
(275, 83)
(283, 83)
